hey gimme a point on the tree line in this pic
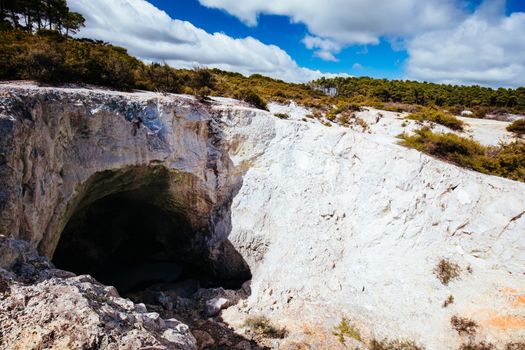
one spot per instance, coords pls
(35, 15)
(423, 93)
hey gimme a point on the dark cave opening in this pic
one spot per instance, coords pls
(133, 240)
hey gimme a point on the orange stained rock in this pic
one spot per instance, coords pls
(506, 322)
(519, 301)
(508, 290)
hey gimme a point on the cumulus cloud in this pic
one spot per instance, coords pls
(325, 49)
(487, 48)
(152, 35)
(348, 22)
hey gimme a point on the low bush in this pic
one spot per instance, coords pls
(282, 115)
(394, 345)
(262, 325)
(449, 300)
(506, 160)
(477, 346)
(252, 98)
(362, 123)
(438, 117)
(464, 326)
(202, 94)
(344, 329)
(517, 127)
(446, 271)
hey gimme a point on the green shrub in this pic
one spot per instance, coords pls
(506, 160)
(262, 325)
(344, 329)
(517, 127)
(413, 93)
(160, 78)
(449, 146)
(438, 117)
(332, 114)
(202, 77)
(203, 94)
(252, 98)
(282, 115)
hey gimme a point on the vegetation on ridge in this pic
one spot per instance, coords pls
(481, 100)
(506, 160)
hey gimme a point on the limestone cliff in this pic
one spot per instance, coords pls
(330, 222)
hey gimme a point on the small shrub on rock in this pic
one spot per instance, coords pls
(463, 325)
(282, 115)
(517, 127)
(477, 346)
(446, 271)
(263, 326)
(252, 98)
(394, 345)
(344, 329)
(448, 301)
(203, 94)
(362, 123)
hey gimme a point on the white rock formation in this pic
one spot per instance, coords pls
(352, 224)
(486, 131)
(391, 124)
(331, 221)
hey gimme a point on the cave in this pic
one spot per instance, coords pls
(141, 227)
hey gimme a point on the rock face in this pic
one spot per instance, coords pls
(331, 222)
(45, 308)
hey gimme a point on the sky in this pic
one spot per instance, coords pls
(445, 41)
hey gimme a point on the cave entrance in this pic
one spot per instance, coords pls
(142, 227)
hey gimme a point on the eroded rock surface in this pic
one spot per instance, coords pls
(45, 308)
(331, 222)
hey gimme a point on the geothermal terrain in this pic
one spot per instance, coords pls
(153, 221)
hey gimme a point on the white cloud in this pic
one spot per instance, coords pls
(325, 49)
(348, 22)
(487, 48)
(153, 35)
(357, 66)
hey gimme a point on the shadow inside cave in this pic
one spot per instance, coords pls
(139, 226)
(146, 231)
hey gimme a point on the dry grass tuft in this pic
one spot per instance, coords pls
(446, 271)
(463, 325)
(263, 326)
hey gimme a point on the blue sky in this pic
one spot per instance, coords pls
(377, 60)
(451, 41)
